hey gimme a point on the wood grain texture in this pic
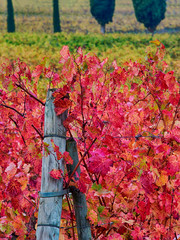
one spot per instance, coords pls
(50, 208)
(79, 199)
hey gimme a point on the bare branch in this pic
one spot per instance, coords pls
(30, 94)
(22, 115)
(40, 134)
(18, 129)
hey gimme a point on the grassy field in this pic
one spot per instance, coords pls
(34, 39)
(31, 48)
(36, 16)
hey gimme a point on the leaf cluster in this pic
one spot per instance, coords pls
(125, 120)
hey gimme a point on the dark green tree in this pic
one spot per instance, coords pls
(56, 17)
(102, 11)
(150, 12)
(10, 17)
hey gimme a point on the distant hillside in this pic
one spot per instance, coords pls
(36, 16)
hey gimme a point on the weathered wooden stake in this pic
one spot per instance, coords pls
(50, 207)
(79, 199)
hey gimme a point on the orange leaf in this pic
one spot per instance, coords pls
(156, 42)
(163, 179)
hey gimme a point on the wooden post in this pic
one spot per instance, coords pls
(79, 199)
(50, 207)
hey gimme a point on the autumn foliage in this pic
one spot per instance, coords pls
(125, 121)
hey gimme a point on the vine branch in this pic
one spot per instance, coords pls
(30, 94)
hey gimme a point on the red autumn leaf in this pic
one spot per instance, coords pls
(62, 105)
(14, 188)
(167, 113)
(65, 52)
(37, 72)
(99, 162)
(143, 209)
(174, 99)
(60, 93)
(92, 216)
(56, 173)
(69, 120)
(170, 80)
(82, 186)
(160, 229)
(11, 170)
(118, 119)
(137, 233)
(67, 158)
(110, 141)
(163, 148)
(175, 215)
(56, 79)
(66, 214)
(115, 236)
(93, 131)
(16, 203)
(147, 182)
(59, 155)
(173, 165)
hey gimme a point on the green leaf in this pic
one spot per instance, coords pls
(100, 209)
(10, 87)
(96, 187)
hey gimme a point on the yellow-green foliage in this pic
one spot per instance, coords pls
(31, 48)
(36, 16)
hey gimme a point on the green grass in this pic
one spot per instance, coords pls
(31, 48)
(34, 39)
(36, 16)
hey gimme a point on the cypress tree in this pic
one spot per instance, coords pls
(150, 12)
(102, 11)
(56, 18)
(10, 17)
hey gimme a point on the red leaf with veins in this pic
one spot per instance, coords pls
(99, 163)
(14, 188)
(147, 182)
(143, 209)
(62, 105)
(173, 165)
(56, 173)
(82, 186)
(65, 52)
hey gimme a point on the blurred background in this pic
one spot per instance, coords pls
(75, 17)
(32, 24)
